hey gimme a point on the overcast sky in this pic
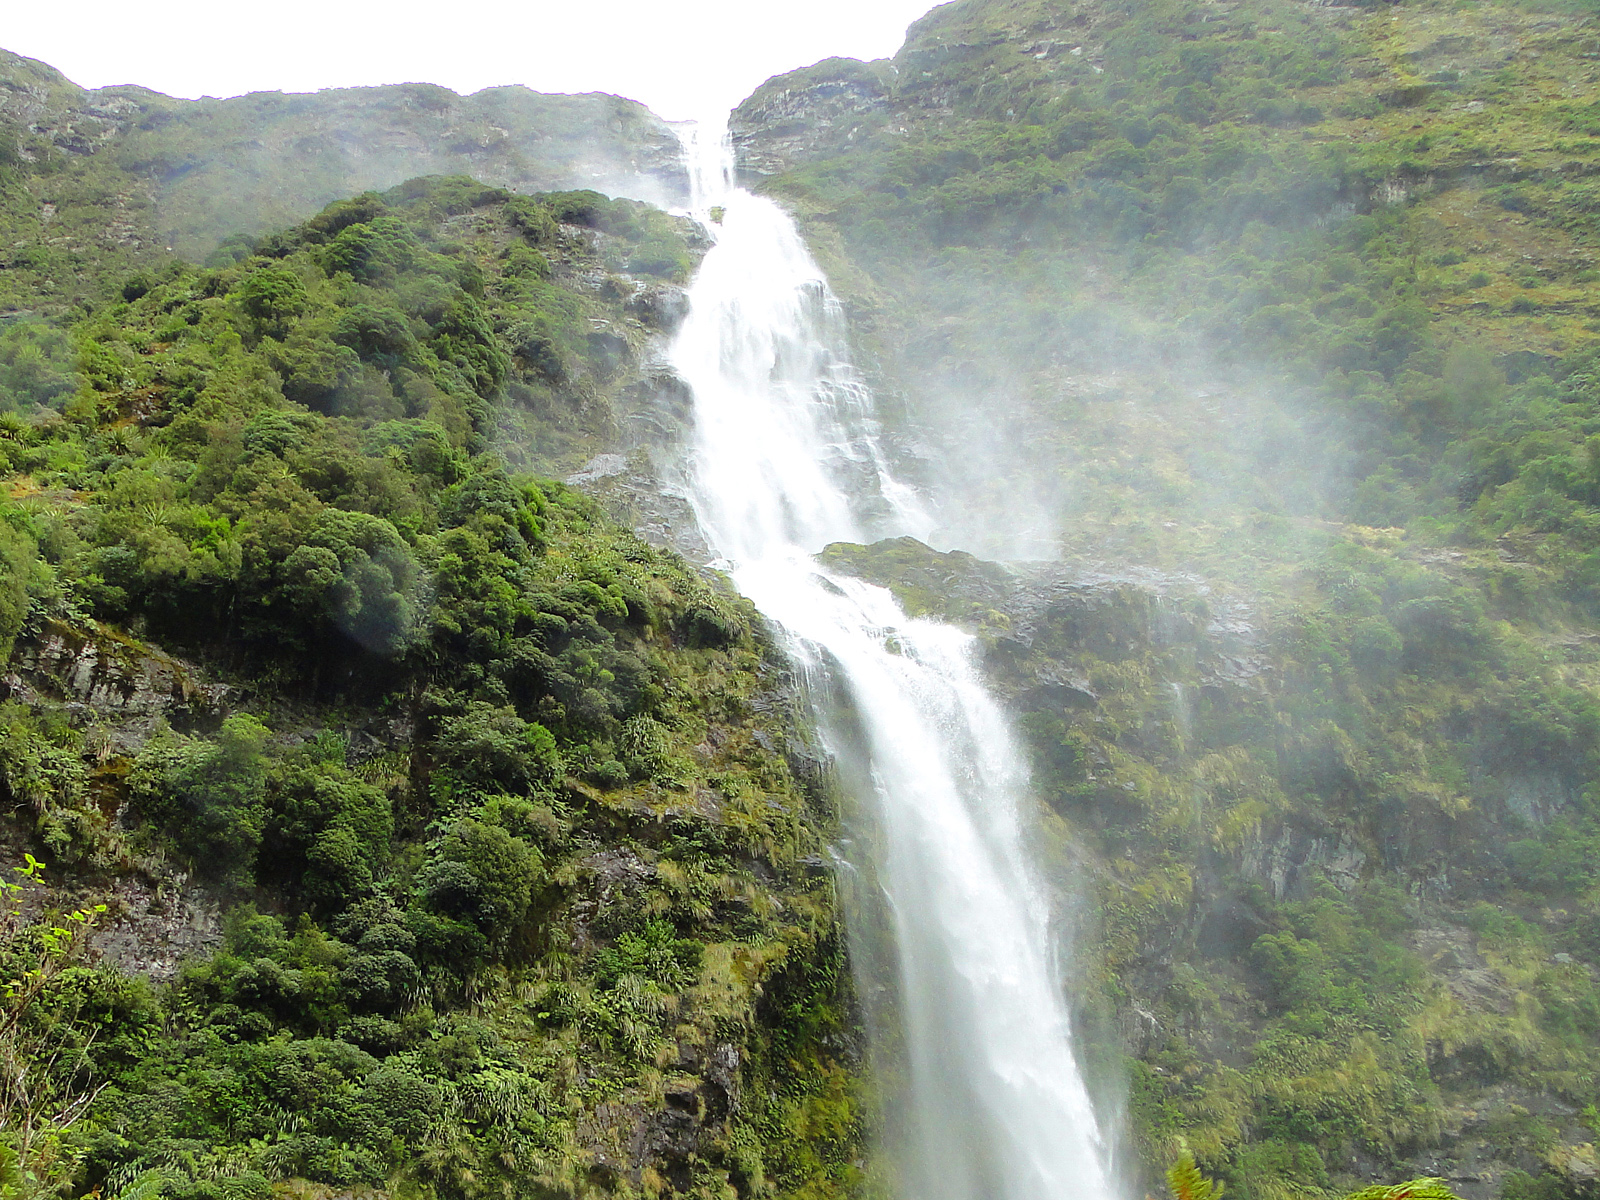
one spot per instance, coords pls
(684, 58)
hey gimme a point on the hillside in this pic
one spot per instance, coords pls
(1274, 326)
(432, 832)
(124, 174)
(1275, 257)
(457, 839)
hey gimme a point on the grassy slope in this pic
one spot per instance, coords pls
(1258, 231)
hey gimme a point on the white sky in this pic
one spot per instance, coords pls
(684, 58)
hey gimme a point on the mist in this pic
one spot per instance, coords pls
(1022, 624)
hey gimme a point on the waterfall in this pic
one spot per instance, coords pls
(787, 457)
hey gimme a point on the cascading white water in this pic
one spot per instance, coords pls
(786, 459)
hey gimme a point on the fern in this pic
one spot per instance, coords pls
(1187, 1183)
(1427, 1188)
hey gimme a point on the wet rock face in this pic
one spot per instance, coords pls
(1038, 621)
(694, 1114)
(156, 917)
(1289, 858)
(823, 108)
(1121, 616)
(662, 308)
(128, 688)
(644, 491)
(1536, 796)
(154, 923)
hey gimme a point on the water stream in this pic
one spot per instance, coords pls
(787, 457)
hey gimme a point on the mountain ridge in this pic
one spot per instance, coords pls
(193, 173)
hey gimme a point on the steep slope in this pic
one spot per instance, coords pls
(1337, 837)
(1276, 322)
(1270, 256)
(1271, 320)
(451, 840)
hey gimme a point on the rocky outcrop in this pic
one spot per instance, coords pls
(126, 687)
(156, 920)
(1033, 616)
(122, 691)
(820, 110)
(642, 491)
(798, 116)
(49, 111)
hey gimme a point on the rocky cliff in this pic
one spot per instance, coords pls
(1302, 938)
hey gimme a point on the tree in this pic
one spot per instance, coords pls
(357, 570)
(210, 795)
(491, 749)
(272, 298)
(372, 331)
(35, 366)
(374, 251)
(483, 875)
(328, 832)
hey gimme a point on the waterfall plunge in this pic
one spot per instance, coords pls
(786, 459)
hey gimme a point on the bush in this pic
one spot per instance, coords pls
(358, 572)
(210, 797)
(490, 749)
(36, 366)
(484, 876)
(329, 833)
(374, 252)
(272, 298)
(654, 952)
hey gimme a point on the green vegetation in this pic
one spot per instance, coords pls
(125, 174)
(1351, 229)
(1286, 311)
(1286, 317)
(513, 876)
(1345, 857)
